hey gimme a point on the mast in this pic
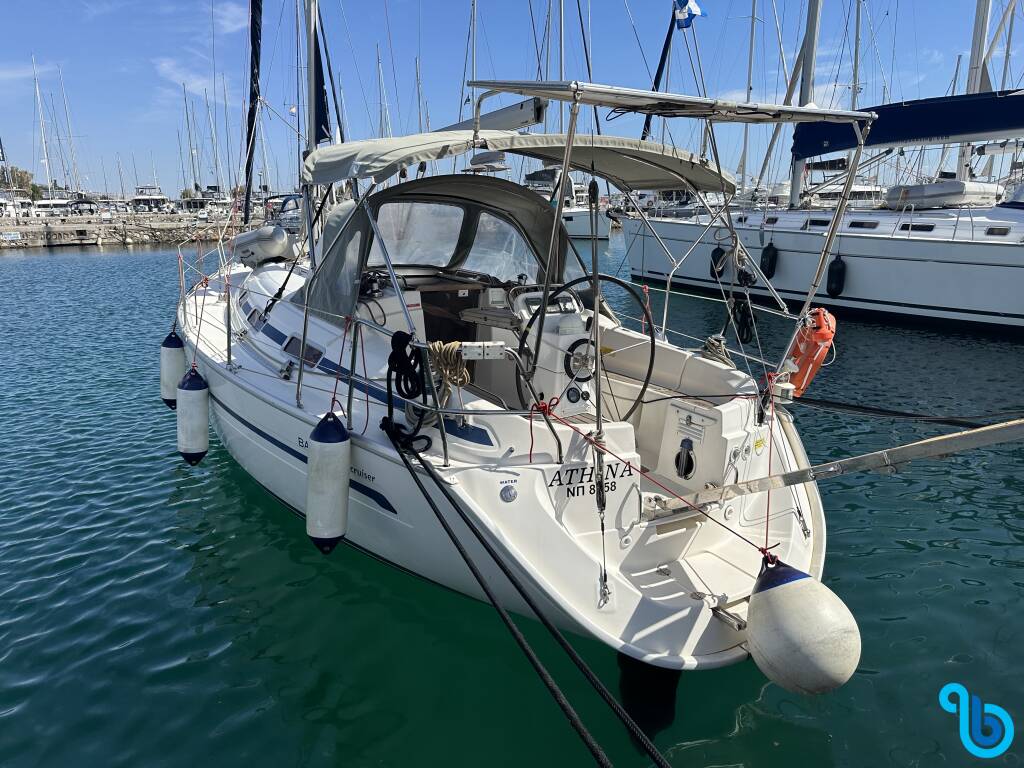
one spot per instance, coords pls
(42, 126)
(809, 54)
(660, 71)
(230, 169)
(312, 11)
(419, 98)
(855, 87)
(120, 176)
(71, 138)
(103, 167)
(252, 116)
(952, 92)
(181, 162)
(472, 33)
(1007, 50)
(213, 142)
(750, 91)
(60, 143)
(561, 61)
(298, 89)
(192, 160)
(339, 129)
(975, 76)
(385, 116)
(266, 167)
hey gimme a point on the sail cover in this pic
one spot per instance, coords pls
(318, 98)
(941, 120)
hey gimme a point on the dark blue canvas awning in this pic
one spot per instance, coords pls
(940, 120)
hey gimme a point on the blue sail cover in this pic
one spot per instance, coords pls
(939, 120)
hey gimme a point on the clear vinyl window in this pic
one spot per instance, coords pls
(417, 233)
(499, 250)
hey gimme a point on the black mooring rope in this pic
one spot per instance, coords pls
(556, 693)
(588, 673)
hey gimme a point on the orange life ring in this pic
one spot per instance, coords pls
(810, 348)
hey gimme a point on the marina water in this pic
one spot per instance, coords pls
(161, 615)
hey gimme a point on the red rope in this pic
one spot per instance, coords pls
(540, 408)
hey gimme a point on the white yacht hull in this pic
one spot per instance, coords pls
(577, 223)
(664, 576)
(935, 278)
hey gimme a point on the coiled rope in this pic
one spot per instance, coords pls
(446, 358)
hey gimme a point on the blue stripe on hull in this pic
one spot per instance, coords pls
(355, 485)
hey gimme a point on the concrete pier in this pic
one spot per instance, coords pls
(166, 229)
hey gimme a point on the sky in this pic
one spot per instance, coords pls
(125, 63)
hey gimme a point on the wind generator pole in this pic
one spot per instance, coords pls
(975, 76)
(809, 54)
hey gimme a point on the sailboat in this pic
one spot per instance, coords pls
(432, 375)
(940, 252)
(437, 380)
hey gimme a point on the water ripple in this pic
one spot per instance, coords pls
(160, 615)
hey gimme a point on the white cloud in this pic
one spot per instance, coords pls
(96, 8)
(179, 73)
(198, 82)
(230, 17)
(24, 71)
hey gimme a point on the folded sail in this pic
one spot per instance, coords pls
(942, 120)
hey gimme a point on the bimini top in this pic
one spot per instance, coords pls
(627, 163)
(623, 100)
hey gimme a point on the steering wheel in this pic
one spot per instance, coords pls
(524, 335)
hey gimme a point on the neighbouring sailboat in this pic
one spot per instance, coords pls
(941, 251)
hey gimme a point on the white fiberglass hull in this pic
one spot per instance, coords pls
(978, 280)
(665, 576)
(577, 223)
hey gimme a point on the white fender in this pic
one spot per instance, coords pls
(193, 413)
(172, 368)
(327, 482)
(801, 635)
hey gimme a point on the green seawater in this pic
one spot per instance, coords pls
(153, 614)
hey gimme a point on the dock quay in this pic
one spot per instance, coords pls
(151, 229)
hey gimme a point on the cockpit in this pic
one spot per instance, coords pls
(468, 257)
